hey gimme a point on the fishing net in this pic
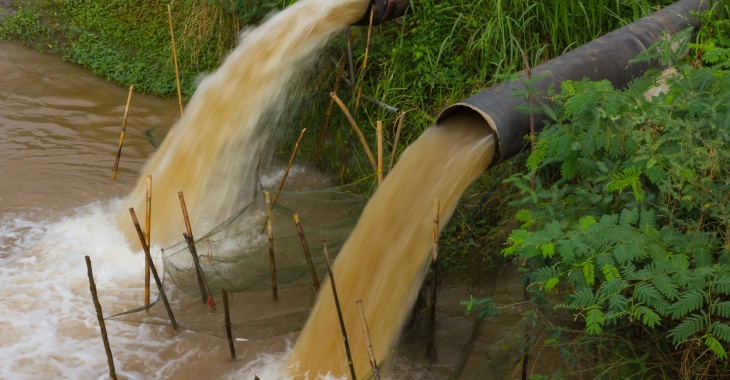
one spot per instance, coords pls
(235, 256)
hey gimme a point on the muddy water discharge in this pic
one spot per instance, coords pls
(212, 153)
(383, 262)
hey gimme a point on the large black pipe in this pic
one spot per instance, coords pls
(606, 57)
(384, 10)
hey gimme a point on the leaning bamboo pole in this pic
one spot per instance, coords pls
(356, 129)
(272, 259)
(229, 334)
(307, 255)
(190, 240)
(100, 317)
(174, 58)
(339, 311)
(397, 139)
(152, 268)
(121, 136)
(328, 114)
(286, 174)
(368, 343)
(148, 214)
(379, 133)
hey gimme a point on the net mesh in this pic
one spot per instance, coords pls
(235, 256)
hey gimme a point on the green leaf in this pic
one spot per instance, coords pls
(589, 273)
(548, 250)
(716, 347)
(594, 321)
(550, 284)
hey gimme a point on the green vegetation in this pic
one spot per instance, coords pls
(628, 224)
(625, 214)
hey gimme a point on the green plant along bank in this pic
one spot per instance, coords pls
(627, 223)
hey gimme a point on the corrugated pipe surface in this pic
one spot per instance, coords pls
(606, 57)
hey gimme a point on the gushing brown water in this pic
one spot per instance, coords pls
(384, 260)
(213, 151)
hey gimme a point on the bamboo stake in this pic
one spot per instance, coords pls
(190, 240)
(288, 166)
(395, 142)
(152, 268)
(430, 347)
(286, 173)
(329, 112)
(231, 347)
(364, 61)
(339, 311)
(174, 58)
(196, 264)
(121, 136)
(350, 36)
(315, 280)
(368, 343)
(272, 260)
(379, 133)
(356, 129)
(148, 213)
(100, 317)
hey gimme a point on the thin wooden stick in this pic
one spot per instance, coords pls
(196, 264)
(100, 317)
(368, 343)
(356, 129)
(231, 347)
(121, 136)
(339, 311)
(152, 268)
(288, 166)
(430, 347)
(174, 58)
(315, 280)
(272, 260)
(364, 61)
(350, 36)
(190, 240)
(328, 114)
(379, 133)
(286, 173)
(395, 142)
(148, 213)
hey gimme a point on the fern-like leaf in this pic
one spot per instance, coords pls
(589, 273)
(721, 330)
(716, 347)
(647, 316)
(594, 321)
(687, 303)
(722, 309)
(689, 326)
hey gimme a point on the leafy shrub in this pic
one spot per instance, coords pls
(628, 225)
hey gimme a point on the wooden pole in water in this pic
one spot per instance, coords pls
(272, 260)
(395, 142)
(196, 264)
(356, 129)
(339, 311)
(121, 136)
(430, 347)
(148, 214)
(100, 317)
(231, 347)
(328, 114)
(315, 280)
(286, 173)
(152, 268)
(288, 166)
(193, 251)
(174, 58)
(368, 343)
(379, 132)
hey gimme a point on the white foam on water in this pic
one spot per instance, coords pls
(48, 324)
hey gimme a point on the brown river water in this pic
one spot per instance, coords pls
(59, 129)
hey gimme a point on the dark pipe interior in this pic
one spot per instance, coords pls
(606, 57)
(384, 10)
